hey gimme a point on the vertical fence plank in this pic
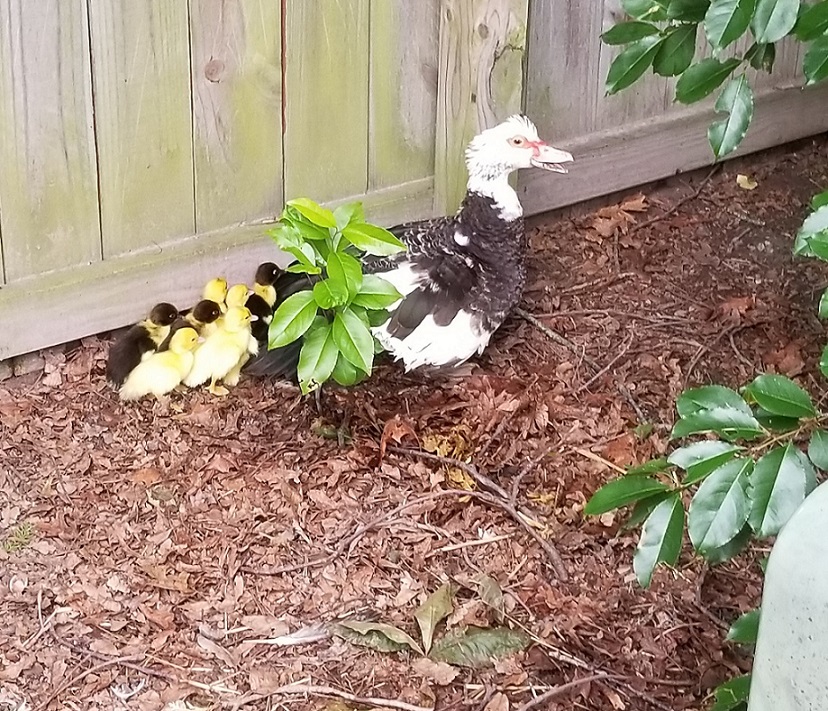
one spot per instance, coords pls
(562, 84)
(140, 64)
(480, 82)
(48, 178)
(403, 91)
(237, 114)
(326, 99)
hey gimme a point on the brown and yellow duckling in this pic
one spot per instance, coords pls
(260, 303)
(160, 373)
(142, 338)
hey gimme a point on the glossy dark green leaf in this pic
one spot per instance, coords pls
(720, 507)
(781, 396)
(815, 63)
(651, 467)
(818, 449)
(815, 227)
(652, 10)
(745, 628)
(773, 19)
(353, 340)
(676, 51)
(376, 293)
(775, 423)
(820, 199)
(761, 56)
(346, 270)
(476, 647)
(727, 20)
(702, 78)
(376, 635)
(317, 358)
(631, 63)
(313, 212)
(812, 22)
(823, 362)
(731, 549)
(626, 32)
(621, 492)
(688, 10)
(779, 484)
(701, 458)
(728, 422)
(372, 239)
(642, 509)
(736, 100)
(708, 397)
(345, 373)
(437, 606)
(732, 695)
(660, 540)
(293, 317)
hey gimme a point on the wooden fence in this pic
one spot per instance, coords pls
(146, 144)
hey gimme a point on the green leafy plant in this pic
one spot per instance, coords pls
(472, 647)
(336, 313)
(661, 35)
(19, 538)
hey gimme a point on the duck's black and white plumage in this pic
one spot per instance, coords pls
(461, 274)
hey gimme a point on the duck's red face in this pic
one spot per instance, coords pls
(542, 155)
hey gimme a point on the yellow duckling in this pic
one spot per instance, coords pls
(216, 290)
(223, 352)
(140, 340)
(161, 372)
(235, 297)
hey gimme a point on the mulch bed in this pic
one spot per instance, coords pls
(149, 537)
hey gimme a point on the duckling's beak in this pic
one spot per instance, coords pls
(548, 157)
(200, 340)
(253, 317)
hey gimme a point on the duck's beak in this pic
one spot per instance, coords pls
(550, 158)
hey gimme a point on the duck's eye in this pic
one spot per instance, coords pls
(518, 141)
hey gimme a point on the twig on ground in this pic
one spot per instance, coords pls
(597, 458)
(523, 401)
(80, 677)
(528, 466)
(739, 354)
(604, 281)
(317, 690)
(605, 369)
(562, 689)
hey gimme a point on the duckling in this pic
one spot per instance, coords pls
(236, 295)
(161, 372)
(142, 338)
(203, 313)
(261, 301)
(215, 290)
(219, 357)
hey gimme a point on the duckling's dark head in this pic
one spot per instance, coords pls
(206, 311)
(163, 314)
(267, 274)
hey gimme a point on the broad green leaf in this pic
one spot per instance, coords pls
(621, 492)
(815, 62)
(702, 78)
(303, 269)
(491, 594)
(376, 635)
(376, 317)
(744, 628)
(631, 63)
(372, 239)
(653, 10)
(775, 423)
(773, 19)
(761, 56)
(329, 293)
(720, 507)
(642, 509)
(727, 422)
(818, 449)
(732, 695)
(781, 396)
(779, 484)
(376, 293)
(821, 199)
(436, 608)
(727, 20)
(815, 226)
(676, 51)
(701, 458)
(626, 32)
(823, 362)
(730, 549)
(317, 358)
(345, 373)
(687, 10)
(660, 540)
(314, 212)
(353, 339)
(476, 647)
(823, 305)
(813, 22)
(347, 213)
(347, 270)
(708, 397)
(651, 467)
(293, 317)
(308, 231)
(736, 100)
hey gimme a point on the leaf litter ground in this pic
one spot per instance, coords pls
(142, 543)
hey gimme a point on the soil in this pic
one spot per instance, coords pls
(148, 538)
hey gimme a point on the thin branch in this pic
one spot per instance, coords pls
(556, 337)
(316, 690)
(609, 365)
(562, 689)
(80, 677)
(528, 466)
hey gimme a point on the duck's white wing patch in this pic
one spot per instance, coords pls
(430, 344)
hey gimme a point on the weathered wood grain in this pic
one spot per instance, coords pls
(480, 82)
(140, 61)
(326, 98)
(403, 91)
(237, 110)
(48, 176)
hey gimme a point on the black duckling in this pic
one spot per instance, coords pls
(260, 302)
(144, 337)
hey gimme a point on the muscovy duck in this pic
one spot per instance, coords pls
(461, 274)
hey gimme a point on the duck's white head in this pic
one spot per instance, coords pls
(512, 145)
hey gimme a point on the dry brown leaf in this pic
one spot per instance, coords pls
(148, 476)
(746, 182)
(264, 680)
(732, 310)
(788, 360)
(395, 429)
(440, 673)
(498, 702)
(208, 645)
(266, 625)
